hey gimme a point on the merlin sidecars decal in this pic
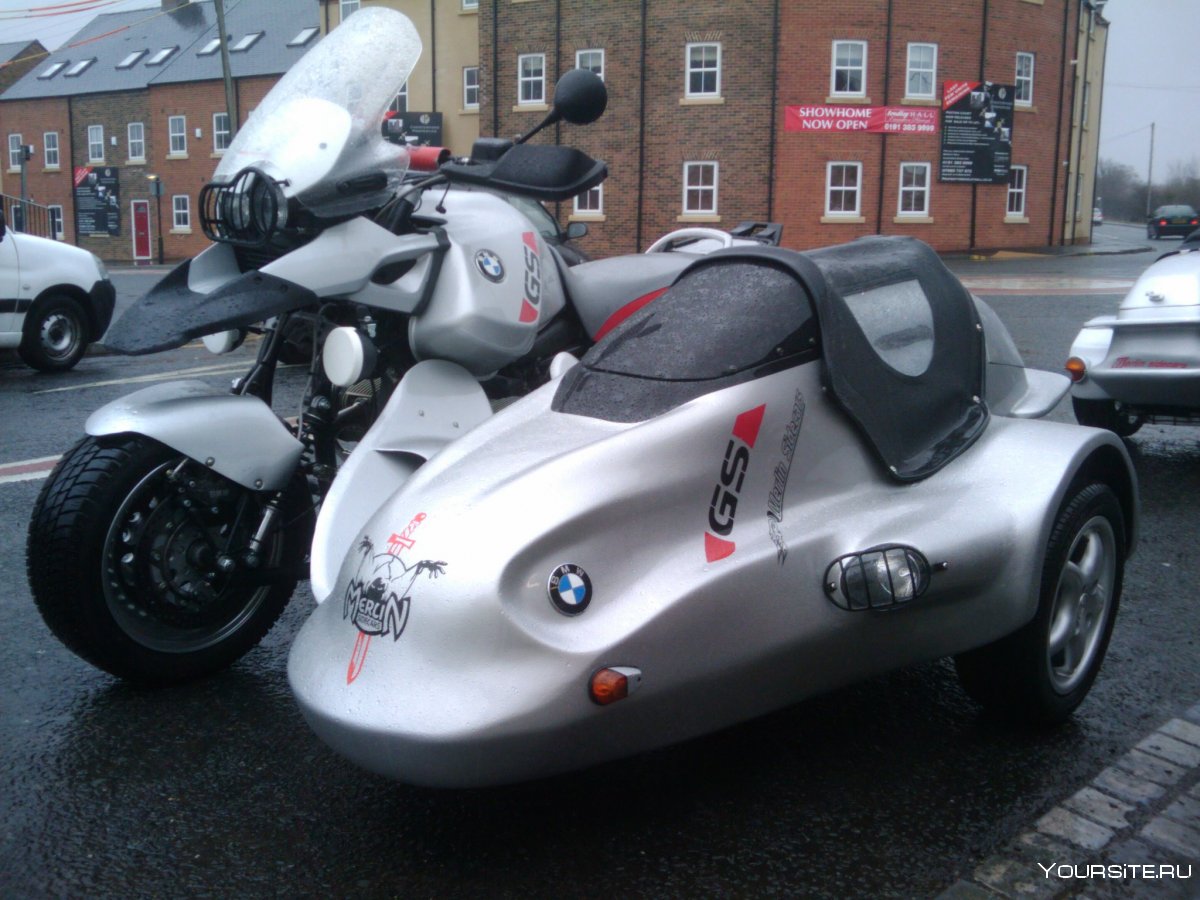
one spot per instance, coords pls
(783, 468)
(373, 602)
(723, 507)
(533, 278)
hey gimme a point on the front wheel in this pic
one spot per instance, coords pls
(1042, 672)
(55, 334)
(137, 560)
(1106, 414)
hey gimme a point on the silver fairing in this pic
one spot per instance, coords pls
(440, 658)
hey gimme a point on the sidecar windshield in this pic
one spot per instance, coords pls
(319, 128)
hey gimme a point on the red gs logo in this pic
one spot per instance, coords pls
(533, 279)
(722, 509)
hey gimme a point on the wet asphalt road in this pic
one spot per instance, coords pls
(892, 788)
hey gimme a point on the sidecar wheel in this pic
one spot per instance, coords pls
(122, 561)
(1041, 673)
(1105, 414)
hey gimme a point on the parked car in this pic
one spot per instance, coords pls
(55, 299)
(1097, 216)
(1177, 219)
(1143, 364)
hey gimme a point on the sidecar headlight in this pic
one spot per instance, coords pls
(879, 578)
(247, 210)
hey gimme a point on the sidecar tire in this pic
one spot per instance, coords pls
(1104, 414)
(55, 335)
(1022, 677)
(74, 583)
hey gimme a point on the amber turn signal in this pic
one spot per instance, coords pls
(1077, 369)
(613, 684)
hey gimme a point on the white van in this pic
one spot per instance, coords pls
(55, 299)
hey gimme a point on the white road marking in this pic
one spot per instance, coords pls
(1046, 284)
(222, 369)
(27, 469)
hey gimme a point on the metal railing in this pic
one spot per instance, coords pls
(28, 217)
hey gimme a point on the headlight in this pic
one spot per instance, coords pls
(247, 210)
(879, 578)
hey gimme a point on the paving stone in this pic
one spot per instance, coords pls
(1193, 714)
(1074, 828)
(1173, 836)
(1017, 878)
(1127, 786)
(966, 890)
(1185, 810)
(1099, 807)
(1151, 768)
(1171, 749)
(1183, 731)
(1042, 847)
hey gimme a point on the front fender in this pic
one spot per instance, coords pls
(234, 435)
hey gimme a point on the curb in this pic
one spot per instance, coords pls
(1134, 831)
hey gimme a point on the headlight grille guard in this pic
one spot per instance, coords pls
(246, 211)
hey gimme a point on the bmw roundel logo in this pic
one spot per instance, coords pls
(489, 265)
(570, 589)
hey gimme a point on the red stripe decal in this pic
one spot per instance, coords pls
(717, 548)
(361, 645)
(529, 312)
(745, 426)
(530, 241)
(626, 311)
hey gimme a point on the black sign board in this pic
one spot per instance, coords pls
(97, 200)
(426, 127)
(977, 127)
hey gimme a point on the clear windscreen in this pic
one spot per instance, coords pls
(320, 125)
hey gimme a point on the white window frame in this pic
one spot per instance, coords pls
(218, 131)
(79, 68)
(131, 59)
(918, 190)
(843, 188)
(701, 189)
(209, 49)
(470, 5)
(51, 70)
(834, 69)
(95, 138)
(135, 146)
(911, 70)
(180, 134)
(346, 7)
(162, 56)
(690, 69)
(590, 202)
(579, 54)
(1016, 193)
(14, 151)
(181, 214)
(54, 213)
(303, 36)
(245, 42)
(399, 103)
(468, 103)
(1024, 81)
(532, 80)
(48, 138)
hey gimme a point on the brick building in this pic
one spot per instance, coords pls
(16, 59)
(697, 129)
(137, 98)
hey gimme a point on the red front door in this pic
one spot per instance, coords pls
(141, 228)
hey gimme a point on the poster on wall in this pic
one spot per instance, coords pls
(977, 131)
(97, 200)
(416, 129)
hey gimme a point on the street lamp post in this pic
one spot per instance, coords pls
(156, 188)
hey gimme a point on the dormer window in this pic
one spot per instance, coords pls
(210, 48)
(303, 37)
(52, 70)
(161, 56)
(78, 69)
(129, 61)
(245, 43)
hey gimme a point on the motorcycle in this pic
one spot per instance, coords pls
(167, 542)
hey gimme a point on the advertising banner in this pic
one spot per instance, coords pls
(97, 200)
(871, 119)
(425, 127)
(977, 126)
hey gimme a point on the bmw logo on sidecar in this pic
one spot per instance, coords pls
(489, 265)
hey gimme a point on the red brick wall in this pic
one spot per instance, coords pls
(32, 119)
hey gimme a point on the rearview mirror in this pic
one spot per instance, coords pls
(576, 230)
(580, 97)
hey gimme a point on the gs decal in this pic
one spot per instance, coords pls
(723, 506)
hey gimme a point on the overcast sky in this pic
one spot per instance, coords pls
(1152, 72)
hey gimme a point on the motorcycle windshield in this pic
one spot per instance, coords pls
(320, 127)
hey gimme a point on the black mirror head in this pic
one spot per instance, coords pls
(580, 97)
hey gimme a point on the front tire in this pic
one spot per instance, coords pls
(124, 553)
(55, 334)
(1040, 673)
(1105, 414)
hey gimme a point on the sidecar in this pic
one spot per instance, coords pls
(1143, 364)
(791, 472)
